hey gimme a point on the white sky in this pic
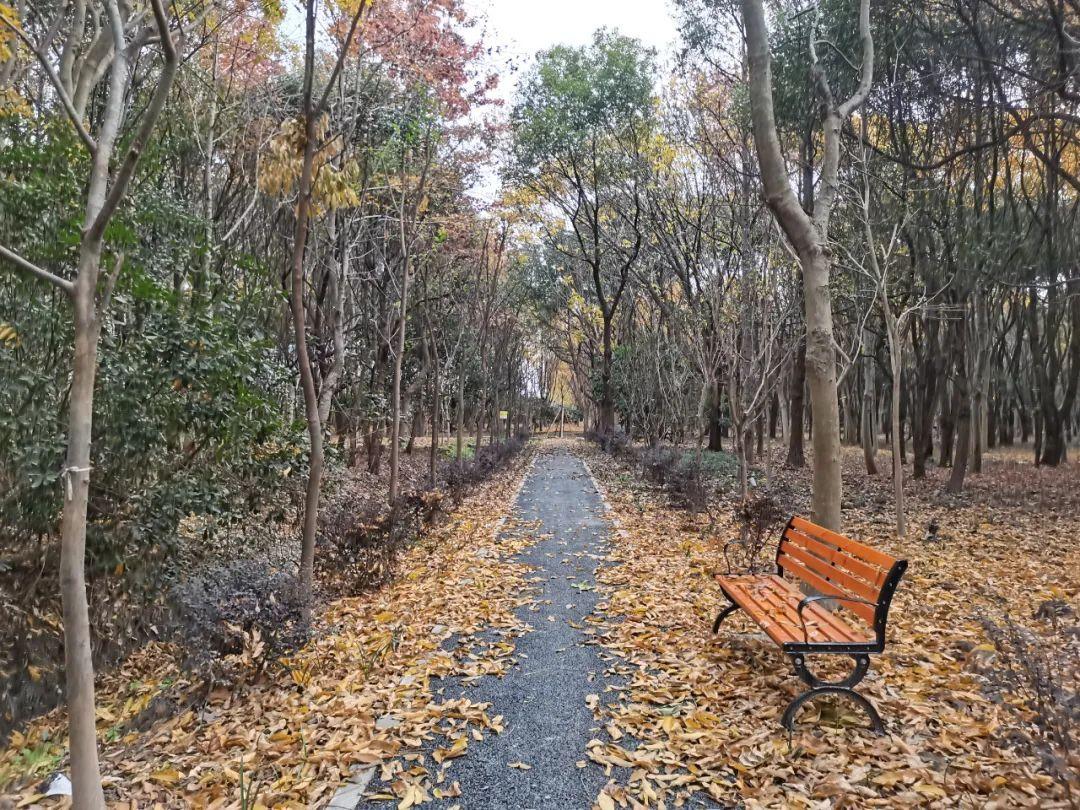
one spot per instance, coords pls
(520, 28)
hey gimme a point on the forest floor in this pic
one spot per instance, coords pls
(146, 597)
(983, 631)
(530, 655)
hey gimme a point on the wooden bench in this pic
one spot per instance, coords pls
(835, 570)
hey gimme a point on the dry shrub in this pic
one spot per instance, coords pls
(1036, 675)
(759, 518)
(235, 620)
(615, 442)
(359, 550)
(658, 462)
(688, 482)
(487, 461)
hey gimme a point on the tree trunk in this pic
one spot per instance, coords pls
(311, 402)
(744, 464)
(435, 394)
(716, 437)
(892, 334)
(821, 373)
(903, 419)
(1053, 443)
(460, 449)
(963, 414)
(336, 290)
(869, 428)
(898, 462)
(926, 389)
(299, 316)
(950, 406)
(1037, 445)
(784, 405)
(416, 427)
(851, 425)
(373, 446)
(797, 408)
(607, 402)
(395, 406)
(980, 384)
(78, 657)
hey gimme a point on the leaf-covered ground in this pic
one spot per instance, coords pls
(361, 694)
(703, 711)
(688, 718)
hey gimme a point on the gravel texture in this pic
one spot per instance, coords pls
(543, 698)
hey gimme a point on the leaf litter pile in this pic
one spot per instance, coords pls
(363, 695)
(699, 715)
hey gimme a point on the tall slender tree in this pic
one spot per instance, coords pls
(809, 234)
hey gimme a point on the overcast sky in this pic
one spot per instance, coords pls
(523, 27)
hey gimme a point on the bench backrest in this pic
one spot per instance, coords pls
(835, 565)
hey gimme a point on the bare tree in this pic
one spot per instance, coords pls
(313, 111)
(808, 234)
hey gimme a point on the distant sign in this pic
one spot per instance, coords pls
(504, 414)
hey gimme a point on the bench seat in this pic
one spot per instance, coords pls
(773, 602)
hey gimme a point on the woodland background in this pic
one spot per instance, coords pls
(273, 244)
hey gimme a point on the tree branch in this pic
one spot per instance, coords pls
(54, 80)
(867, 76)
(38, 272)
(138, 143)
(341, 58)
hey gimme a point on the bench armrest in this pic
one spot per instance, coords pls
(809, 600)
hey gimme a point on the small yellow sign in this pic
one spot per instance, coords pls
(504, 414)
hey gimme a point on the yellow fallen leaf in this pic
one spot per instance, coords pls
(933, 791)
(166, 776)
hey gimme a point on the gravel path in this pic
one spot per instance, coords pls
(543, 699)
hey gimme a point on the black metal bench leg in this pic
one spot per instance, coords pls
(793, 709)
(818, 687)
(723, 614)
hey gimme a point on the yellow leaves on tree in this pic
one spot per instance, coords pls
(335, 181)
(659, 151)
(9, 24)
(9, 338)
(273, 10)
(11, 103)
(1032, 133)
